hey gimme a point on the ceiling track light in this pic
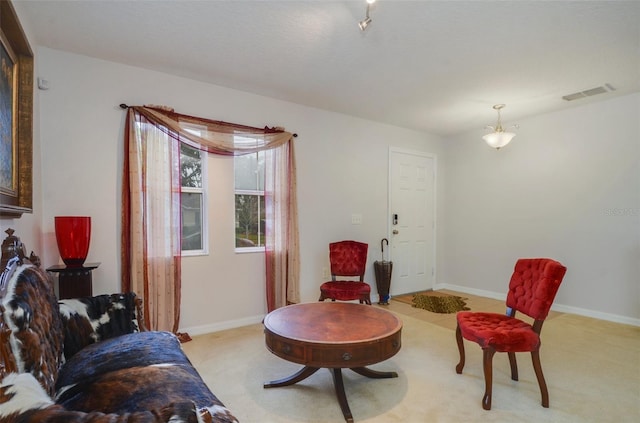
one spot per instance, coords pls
(499, 138)
(363, 24)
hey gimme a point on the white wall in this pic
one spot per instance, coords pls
(567, 187)
(342, 169)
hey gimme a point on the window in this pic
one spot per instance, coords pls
(192, 173)
(249, 199)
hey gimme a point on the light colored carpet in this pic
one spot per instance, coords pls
(591, 367)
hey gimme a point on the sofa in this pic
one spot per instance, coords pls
(90, 359)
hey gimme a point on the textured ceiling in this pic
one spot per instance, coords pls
(436, 66)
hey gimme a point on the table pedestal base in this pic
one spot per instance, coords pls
(307, 371)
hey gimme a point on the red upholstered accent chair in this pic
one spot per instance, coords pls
(533, 287)
(348, 258)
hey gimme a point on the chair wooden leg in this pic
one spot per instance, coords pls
(487, 361)
(537, 367)
(460, 365)
(364, 299)
(514, 365)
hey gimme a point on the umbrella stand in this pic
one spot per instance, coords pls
(383, 275)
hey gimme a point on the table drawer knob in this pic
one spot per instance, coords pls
(286, 348)
(346, 356)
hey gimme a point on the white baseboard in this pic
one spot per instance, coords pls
(246, 321)
(556, 307)
(479, 292)
(219, 326)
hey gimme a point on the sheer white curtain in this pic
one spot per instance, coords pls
(151, 206)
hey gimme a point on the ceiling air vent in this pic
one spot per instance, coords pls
(588, 93)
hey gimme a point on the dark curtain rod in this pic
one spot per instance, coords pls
(124, 106)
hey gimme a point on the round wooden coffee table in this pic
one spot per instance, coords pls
(332, 335)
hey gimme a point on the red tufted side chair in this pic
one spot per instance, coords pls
(348, 258)
(533, 287)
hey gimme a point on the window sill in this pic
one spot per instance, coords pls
(249, 250)
(196, 253)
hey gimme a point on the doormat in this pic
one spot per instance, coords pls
(434, 301)
(440, 304)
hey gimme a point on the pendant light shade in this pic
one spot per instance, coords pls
(498, 140)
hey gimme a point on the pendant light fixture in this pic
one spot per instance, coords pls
(363, 24)
(498, 138)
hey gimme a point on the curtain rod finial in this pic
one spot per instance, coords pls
(123, 106)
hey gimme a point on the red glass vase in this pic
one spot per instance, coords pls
(73, 234)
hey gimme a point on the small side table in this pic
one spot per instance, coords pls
(74, 282)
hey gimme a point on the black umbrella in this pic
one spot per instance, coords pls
(383, 275)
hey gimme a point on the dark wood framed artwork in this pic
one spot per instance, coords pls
(8, 148)
(16, 116)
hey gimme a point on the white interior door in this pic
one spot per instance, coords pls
(412, 220)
